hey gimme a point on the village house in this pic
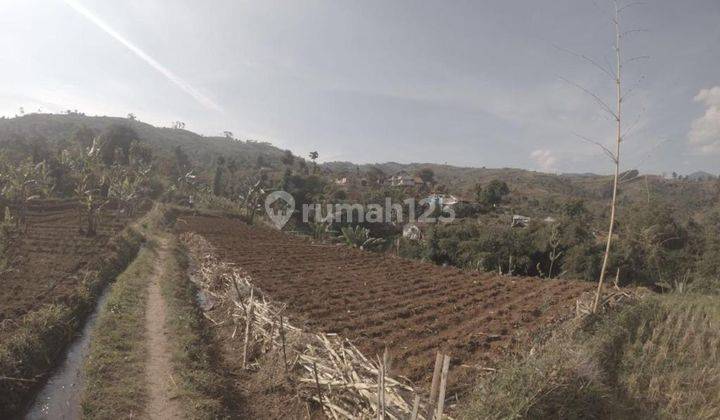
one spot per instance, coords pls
(402, 179)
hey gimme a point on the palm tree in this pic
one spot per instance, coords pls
(313, 157)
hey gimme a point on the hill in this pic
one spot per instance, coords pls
(701, 176)
(57, 128)
(531, 191)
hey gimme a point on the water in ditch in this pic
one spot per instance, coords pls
(60, 396)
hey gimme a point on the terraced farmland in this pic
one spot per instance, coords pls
(413, 308)
(47, 260)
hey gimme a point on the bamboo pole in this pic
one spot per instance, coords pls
(443, 384)
(616, 157)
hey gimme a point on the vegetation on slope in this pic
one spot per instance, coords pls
(659, 358)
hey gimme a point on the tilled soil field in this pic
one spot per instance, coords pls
(47, 259)
(412, 308)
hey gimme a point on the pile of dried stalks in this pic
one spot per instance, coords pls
(327, 368)
(610, 298)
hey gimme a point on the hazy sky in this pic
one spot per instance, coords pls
(475, 83)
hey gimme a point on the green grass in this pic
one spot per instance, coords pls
(659, 358)
(115, 384)
(30, 353)
(201, 387)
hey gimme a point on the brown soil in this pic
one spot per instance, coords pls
(48, 258)
(412, 308)
(161, 385)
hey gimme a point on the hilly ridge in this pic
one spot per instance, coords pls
(526, 185)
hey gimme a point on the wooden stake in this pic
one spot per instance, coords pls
(282, 338)
(443, 384)
(381, 385)
(435, 384)
(380, 414)
(317, 384)
(248, 319)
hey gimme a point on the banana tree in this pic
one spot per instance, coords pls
(15, 189)
(127, 188)
(85, 191)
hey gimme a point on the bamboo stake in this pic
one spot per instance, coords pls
(248, 316)
(381, 389)
(443, 384)
(282, 337)
(317, 384)
(435, 384)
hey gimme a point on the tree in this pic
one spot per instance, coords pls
(114, 144)
(427, 175)
(288, 159)
(140, 154)
(218, 179)
(83, 138)
(495, 191)
(228, 135)
(313, 157)
(477, 189)
(376, 175)
(131, 117)
(616, 114)
(182, 162)
(574, 208)
(178, 125)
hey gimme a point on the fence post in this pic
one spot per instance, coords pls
(282, 338)
(248, 319)
(443, 384)
(435, 384)
(317, 384)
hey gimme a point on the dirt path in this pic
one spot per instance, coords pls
(161, 385)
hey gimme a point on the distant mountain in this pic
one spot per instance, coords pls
(701, 176)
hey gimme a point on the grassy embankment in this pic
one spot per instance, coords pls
(202, 388)
(115, 368)
(116, 380)
(659, 358)
(30, 353)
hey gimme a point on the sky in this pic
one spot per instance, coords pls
(470, 83)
